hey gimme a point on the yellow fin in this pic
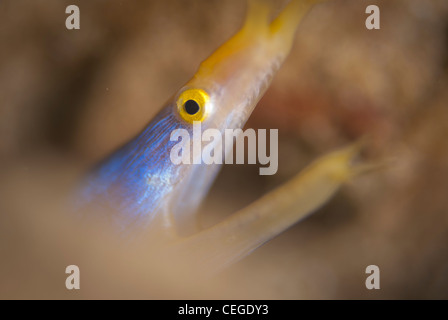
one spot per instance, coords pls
(285, 24)
(258, 16)
(277, 35)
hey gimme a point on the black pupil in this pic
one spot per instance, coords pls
(191, 107)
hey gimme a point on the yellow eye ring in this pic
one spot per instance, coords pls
(192, 105)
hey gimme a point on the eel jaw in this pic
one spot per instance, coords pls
(215, 248)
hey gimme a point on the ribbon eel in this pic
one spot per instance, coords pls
(140, 188)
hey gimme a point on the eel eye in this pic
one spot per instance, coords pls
(192, 105)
